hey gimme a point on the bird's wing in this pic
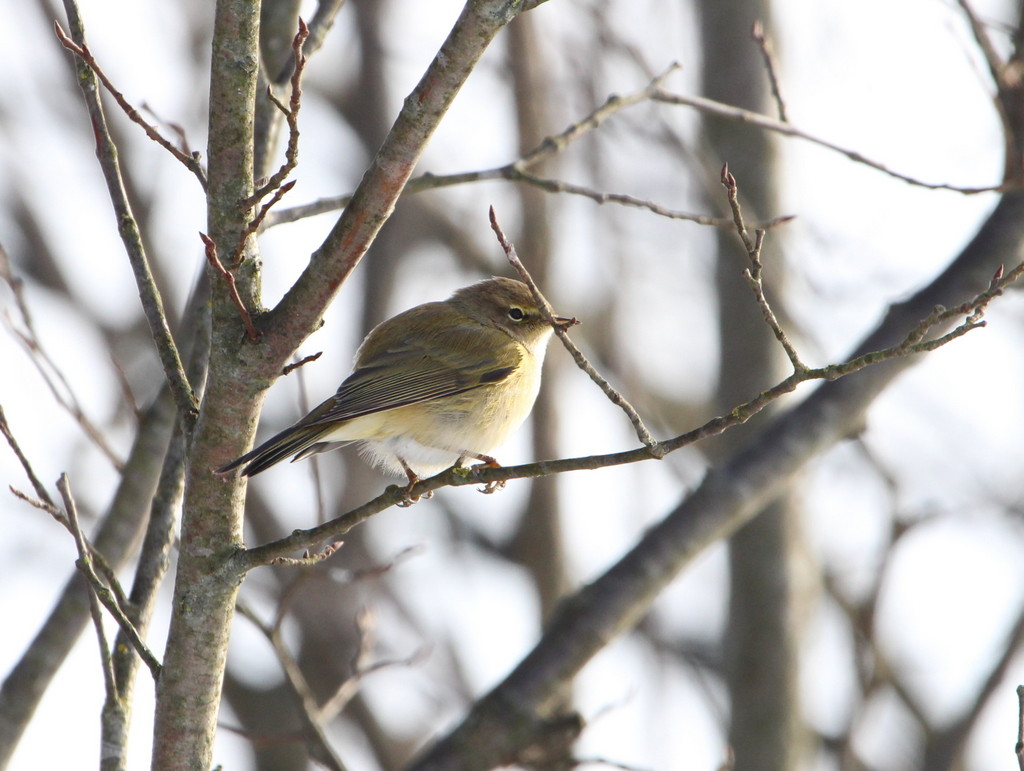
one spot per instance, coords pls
(403, 372)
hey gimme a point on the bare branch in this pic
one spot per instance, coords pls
(768, 54)
(787, 129)
(291, 113)
(561, 331)
(304, 360)
(128, 228)
(993, 60)
(316, 740)
(913, 343)
(307, 559)
(177, 129)
(254, 225)
(99, 590)
(81, 50)
(123, 521)
(218, 266)
(512, 172)
(5, 429)
(83, 563)
(612, 105)
(753, 273)
(50, 508)
(1019, 748)
(319, 26)
(517, 171)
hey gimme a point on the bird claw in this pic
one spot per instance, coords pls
(491, 487)
(408, 499)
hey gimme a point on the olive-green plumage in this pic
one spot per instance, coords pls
(439, 384)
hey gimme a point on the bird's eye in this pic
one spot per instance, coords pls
(516, 314)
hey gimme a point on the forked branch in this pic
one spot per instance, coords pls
(189, 160)
(915, 341)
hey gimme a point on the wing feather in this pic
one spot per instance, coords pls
(451, 362)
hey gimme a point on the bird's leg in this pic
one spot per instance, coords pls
(486, 461)
(409, 498)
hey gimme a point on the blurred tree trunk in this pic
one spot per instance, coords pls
(323, 609)
(538, 543)
(762, 635)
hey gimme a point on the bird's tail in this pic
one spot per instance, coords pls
(294, 440)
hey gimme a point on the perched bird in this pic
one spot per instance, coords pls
(440, 384)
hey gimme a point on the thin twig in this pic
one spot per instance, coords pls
(278, 195)
(613, 104)
(288, 369)
(83, 564)
(362, 666)
(50, 508)
(215, 263)
(560, 329)
(993, 60)
(511, 172)
(1019, 748)
(307, 559)
(291, 113)
(128, 228)
(517, 170)
(127, 394)
(253, 226)
(768, 54)
(99, 590)
(753, 273)
(787, 129)
(366, 637)
(316, 740)
(184, 145)
(603, 763)
(914, 343)
(5, 429)
(81, 50)
(319, 26)
(514, 173)
(373, 572)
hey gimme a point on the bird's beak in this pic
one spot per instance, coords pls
(564, 323)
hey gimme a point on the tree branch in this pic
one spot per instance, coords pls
(374, 199)
(317, 743)
(80, 48)
(711, 107)
(730, 495)
(149, 293)
(561, 330)
(291, 114)
(913, 342)
(229, 280)
(1019, 748)
(518, 170)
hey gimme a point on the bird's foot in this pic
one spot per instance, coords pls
(409, 498)
(486, 461)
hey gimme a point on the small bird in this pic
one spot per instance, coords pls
(435, 386)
